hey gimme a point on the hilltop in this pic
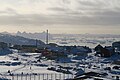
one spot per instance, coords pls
(18, 40)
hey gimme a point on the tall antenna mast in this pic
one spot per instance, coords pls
(47, 37)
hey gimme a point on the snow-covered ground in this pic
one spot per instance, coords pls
(26, 63)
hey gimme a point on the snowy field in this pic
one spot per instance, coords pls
(29, 69)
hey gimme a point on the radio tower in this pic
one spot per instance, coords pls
(47, 37)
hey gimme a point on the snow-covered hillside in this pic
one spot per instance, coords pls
(17, 40)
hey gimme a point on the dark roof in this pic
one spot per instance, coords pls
(98, 47)
(86, 75)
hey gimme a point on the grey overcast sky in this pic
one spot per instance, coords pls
(60, 16)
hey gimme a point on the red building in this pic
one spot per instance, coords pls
(104, 51)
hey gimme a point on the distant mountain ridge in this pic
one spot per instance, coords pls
(70, 39)
(18, 40)
(41, 36)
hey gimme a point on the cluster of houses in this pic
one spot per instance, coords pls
(53, 50)
(107, 51)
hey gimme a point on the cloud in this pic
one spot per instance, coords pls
(106, 18)
(57, 9)
(70, 12)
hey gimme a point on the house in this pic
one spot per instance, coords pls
(116, 45)
(28, 48)
(4, 49)
(110, 49)
(91, 75)
(98, 49)
(25, 48)
(106, 51)
(80, 50)
(3, 45)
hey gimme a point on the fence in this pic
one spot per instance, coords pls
(40, 76)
